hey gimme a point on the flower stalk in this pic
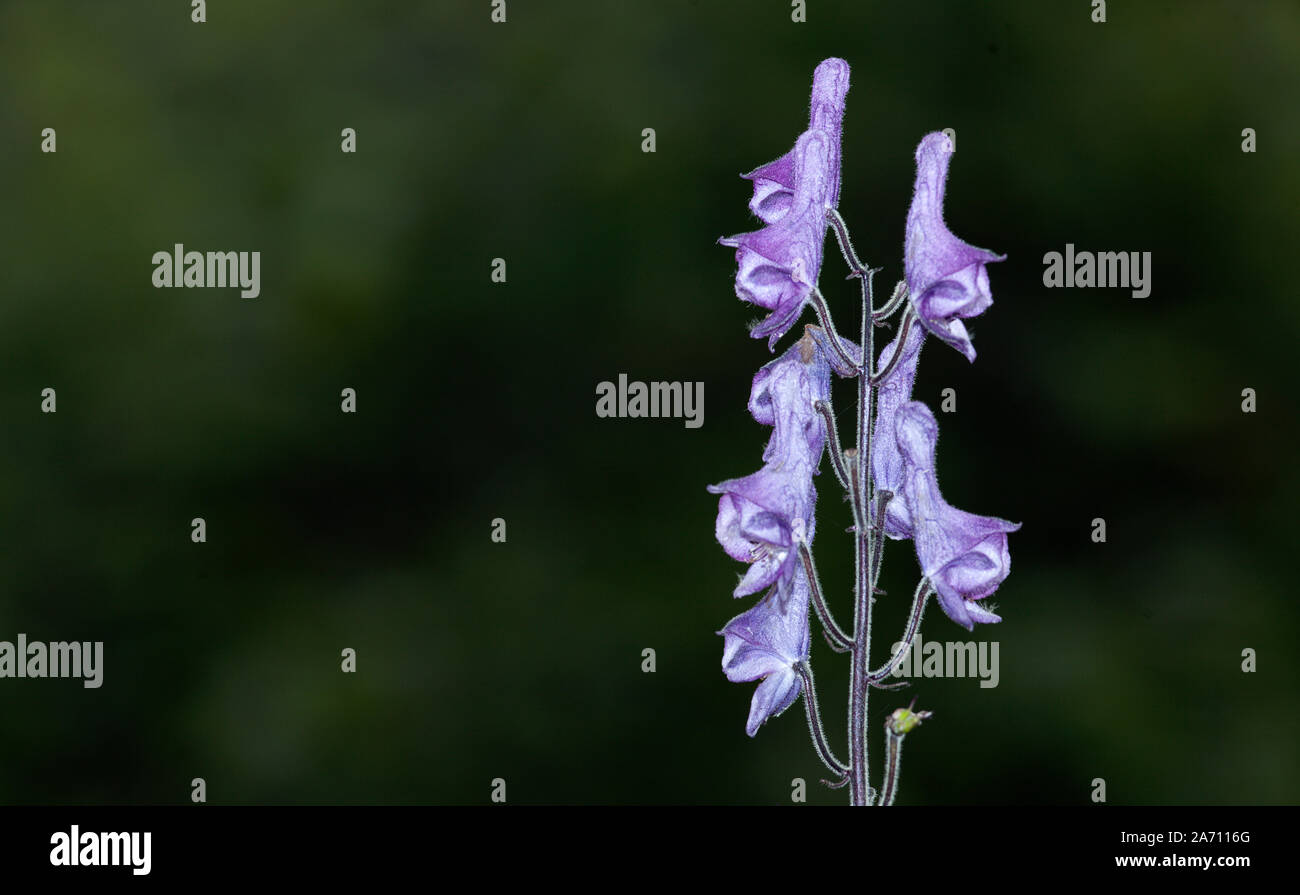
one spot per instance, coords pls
(898, 725)
(768, 519)
(865, 537)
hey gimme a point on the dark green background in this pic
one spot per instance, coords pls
(522, 660)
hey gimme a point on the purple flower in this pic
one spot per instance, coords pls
(965, 556)
(946, 277)
(947, 280)
(775, 182)
(768, 642)
(783, 395)
(886, 460)
(779, 265)
(760, 518)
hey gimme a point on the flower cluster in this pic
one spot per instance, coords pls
(946, 278)
(964, 556)
(780, 264)
(763, 518)
(767, 643)
(767, 519)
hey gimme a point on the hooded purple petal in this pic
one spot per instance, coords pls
(775, 183)
(783, 395)
(826, 114)
(965, 556)
(773, 189)
(759, 517)
(779, 264)
(946, 277)
(767, 642)
(886, 460)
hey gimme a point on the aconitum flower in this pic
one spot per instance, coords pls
(767, 642)
(766, 519)
(779, 264)
(963, 555)
(762, 516)
(946, 277)
(760, 519)
(775, 182)
(783, 396)
(886, 460)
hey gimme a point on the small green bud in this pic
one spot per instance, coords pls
(903, 721)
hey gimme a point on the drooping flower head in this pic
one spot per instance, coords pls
(767, 642)
(779, 264)
(886, 460)
(775, 183)
(784, 395)
(946, 277)
(965, 556)
(947, 281)
(762, 516)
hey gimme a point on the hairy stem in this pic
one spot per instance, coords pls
(840, 357)
(899, 296)
(919, 600)
(882, 375)
(893, 764)
(833, 443)
(839, 641)
(846, 245)
(859, 686)
(833, 764)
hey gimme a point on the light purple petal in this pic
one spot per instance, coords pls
(946, 277)
(774, 695)
(773, 189)
(779, 264)
(754, 510)
(965, 556)
(886, 461)
(826, 114)
(783, 396)
(759, 517)
(775, 183)
(766, 642)
(979, 614)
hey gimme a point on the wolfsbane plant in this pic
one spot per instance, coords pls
(767, 519)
